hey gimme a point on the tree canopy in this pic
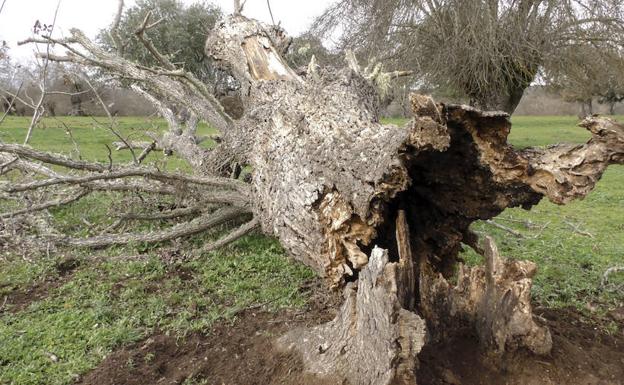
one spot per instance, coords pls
(175, 29)
(598, 72)
(488, 51)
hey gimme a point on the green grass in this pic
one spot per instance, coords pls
(107, 304)
(111, 302)
(92, 135)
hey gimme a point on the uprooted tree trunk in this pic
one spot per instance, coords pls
(379, 210)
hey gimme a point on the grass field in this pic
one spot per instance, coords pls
(102, 304)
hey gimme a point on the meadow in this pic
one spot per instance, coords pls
(84, 304)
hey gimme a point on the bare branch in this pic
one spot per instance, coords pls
(126, 173)
(46, 205)
(195, 226)
(114, 31)
(50, 158)
(39, 109)
(146, 151)
(183, 212)
(140, 33)
(111, 127)
(232, 236)
(505, 228)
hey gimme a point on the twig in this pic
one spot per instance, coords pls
(129, 172)
(38, 112)
(11, 103)
(147, 43)
(505, 228)
(110, 157)
(541, 231)
(165, 215)
(270, 12)
(195, 226)
(111, 119)
(46, 205)
(146, 152)
(575, 229)
(55, 159)
(114, 31)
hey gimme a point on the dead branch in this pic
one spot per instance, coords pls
(71, 198)
(505, 228)
(111, 125)
(134, 144)
(39, 109)
(126, 173)
(183, 212)
(576, 229)
(608, 272)
(171, 85)
(50, 158)
(140, 34)
(146, 151)
(114, 31)
(231, 236)
(195, 226)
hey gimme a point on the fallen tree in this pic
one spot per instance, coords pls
(380, 210)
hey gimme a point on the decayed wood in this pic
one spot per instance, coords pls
(494, 299)
(372, 340)
(408, 288)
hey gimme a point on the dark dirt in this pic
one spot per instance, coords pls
(18, 300)
(242, 353)
(583, 354)
(239, 353)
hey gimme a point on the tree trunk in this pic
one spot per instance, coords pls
(506, 100)
(329, 180)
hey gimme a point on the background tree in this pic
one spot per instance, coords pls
(178, 30)
(597, 73)
(487, 50)
(305, 46)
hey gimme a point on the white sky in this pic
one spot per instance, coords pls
(18, 16)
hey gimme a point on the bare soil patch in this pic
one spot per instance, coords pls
(242, 353)
(239, 353)
(18, 300)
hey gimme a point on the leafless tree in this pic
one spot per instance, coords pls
(379, 210)
(488, 51)
(597, 73)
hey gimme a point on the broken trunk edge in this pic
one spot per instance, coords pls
(372, 340)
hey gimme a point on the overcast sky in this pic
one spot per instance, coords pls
(18, 16)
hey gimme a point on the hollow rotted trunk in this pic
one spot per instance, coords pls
(383, 210)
